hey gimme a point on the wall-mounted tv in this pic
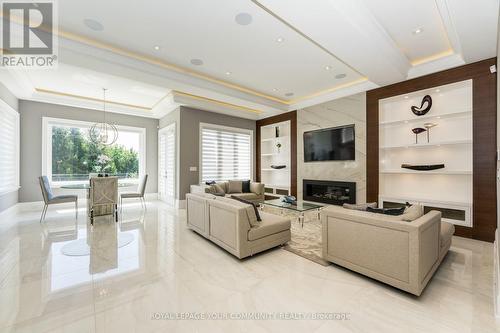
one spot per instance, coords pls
(330, 144)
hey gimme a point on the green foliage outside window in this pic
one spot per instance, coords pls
(74, 157)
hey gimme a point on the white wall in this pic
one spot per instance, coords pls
(339, 112)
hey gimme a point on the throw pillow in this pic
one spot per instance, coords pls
(249, 203)
(211, 182)
(219, 189)
(235, 186)
(375, 210)
(386, 211)
(210, 189)
(412, 213)
(245, 186)
(362, 207)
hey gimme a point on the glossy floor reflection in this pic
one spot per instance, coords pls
(63, 276)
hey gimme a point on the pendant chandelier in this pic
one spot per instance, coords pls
(103, 133)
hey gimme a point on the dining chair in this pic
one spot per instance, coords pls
(50, 199)
(139, 194)
(103, 197)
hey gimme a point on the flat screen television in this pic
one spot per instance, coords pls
(330, 144)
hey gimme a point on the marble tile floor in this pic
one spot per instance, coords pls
(131, 276)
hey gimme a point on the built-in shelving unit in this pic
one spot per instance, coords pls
(277, 181)
(449, 143)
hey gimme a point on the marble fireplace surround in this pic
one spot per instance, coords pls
(340, 112)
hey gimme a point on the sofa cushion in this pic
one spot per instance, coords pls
(235, 186)
(236, 197)
(257, 188)
(218, 189)
(447, 230)
(271, 224)
(361, 207)
(245, 186)
(204, 195)
(412, 213)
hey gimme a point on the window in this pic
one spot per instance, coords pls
(226, 153)
(9, 149)
(70, 156)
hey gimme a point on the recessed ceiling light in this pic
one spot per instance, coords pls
(93, 25)
(437, 90)
(406, 97)
(417, 31)
(196, 62)
(228, 73)
(406, 121)
(340, 76)
(275, 89)
(243, 19)
(327, 67)
(157, 48)
(280, 39)
(289, 94)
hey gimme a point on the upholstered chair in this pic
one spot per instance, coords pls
(103, 197)
(50, 199)
(139, 194)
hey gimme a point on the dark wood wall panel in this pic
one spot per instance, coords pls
(292, 116)
(484, 102)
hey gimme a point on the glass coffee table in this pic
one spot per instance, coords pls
(299, 207)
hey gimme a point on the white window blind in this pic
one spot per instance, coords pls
(9, 149)
(225, 154)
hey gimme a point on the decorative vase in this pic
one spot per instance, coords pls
(417, 131)
(420, 111)
(428, 126)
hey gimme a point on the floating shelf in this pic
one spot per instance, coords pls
(271, 169)
(269, 154)
(431, 144)
(431, 172)
(427, 117)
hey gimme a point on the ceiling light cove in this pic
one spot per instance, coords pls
(93, 25)
(280, 39)
(196, 62)
(243, 19)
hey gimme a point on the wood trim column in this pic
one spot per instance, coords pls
(292, 117)
(484, 94)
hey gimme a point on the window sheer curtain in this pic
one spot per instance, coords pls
(9, 149)
(225, 154)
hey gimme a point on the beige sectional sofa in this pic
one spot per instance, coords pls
(256, 193)
(402, 254)
(233, 225)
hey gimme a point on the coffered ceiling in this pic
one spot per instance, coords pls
(251, 58)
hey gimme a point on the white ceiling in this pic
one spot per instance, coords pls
(370, 41)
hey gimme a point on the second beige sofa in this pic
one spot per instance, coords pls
(402, 254)
(233, 225)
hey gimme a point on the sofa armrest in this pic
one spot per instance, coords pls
(425, 248)
(257, 188)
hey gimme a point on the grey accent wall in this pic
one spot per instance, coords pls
(9, 199)
(190, 120)
(31, 141)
